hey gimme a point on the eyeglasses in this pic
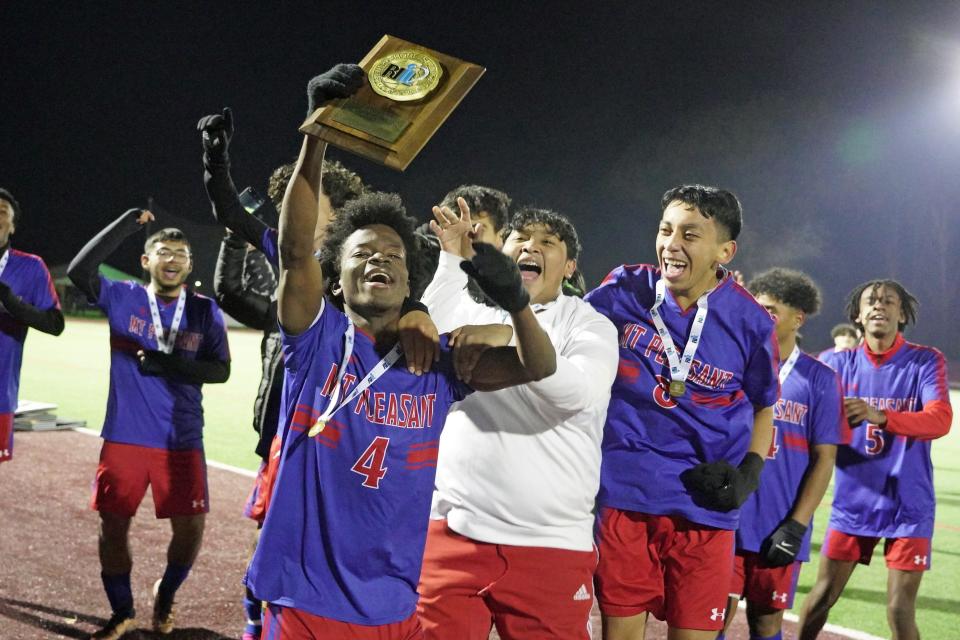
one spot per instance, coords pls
(177, 256)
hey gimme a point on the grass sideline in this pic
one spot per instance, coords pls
(72, 371)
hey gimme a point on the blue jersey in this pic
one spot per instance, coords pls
(884, 482)
(808, 413)
(152, 410)
(28, 278)
(651, 438)
(347, 523)
(270, 246)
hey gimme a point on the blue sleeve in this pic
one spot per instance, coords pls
(215, 345)
(42, 293)
(761, 380)
(828, 424)
(299, 349)
(458, 389)
(270, 246)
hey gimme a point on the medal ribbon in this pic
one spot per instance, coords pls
(378, 370)
(166, 344)
(3, 260)
(679, 367)
(787, 366)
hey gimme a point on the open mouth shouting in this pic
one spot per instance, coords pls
(378, 278)
(530, 269)
(673, 268)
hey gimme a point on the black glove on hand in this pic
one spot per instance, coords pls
(6, 293)
(498, 276)
(781, 548)
(151, 363)
(217, 132)
(721, 486)
(341, 81)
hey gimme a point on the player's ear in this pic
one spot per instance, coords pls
(336, 288)
(569, 268)
(799, 319)
(144, 261)
(726, 251)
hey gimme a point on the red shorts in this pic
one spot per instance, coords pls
(676, 569)
(177, 479)
(285, 623)
(754, 580)
(905, 554)
(6, 436)
(528, 592)
(259, 499)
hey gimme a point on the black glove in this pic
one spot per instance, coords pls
(217, 133)
(721, 486)
(781, 548)
(151, 364)
(498, 276)
(341, 81)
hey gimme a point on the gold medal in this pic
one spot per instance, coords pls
(677, 388)
(318, 426)
(405, 75)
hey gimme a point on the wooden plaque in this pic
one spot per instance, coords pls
(392, 130)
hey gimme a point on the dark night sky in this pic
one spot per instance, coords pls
(836, 123)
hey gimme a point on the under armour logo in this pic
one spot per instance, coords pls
(198, 504)
(717, 614)
(918, 560)
(582, 593)
(4, 453)
(782, 597)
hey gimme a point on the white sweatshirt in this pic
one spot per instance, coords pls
(521, 466)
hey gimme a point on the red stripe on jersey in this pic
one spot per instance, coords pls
(717, 400)
(427, 443)
(422, 465)
(125, 345)
(303, 417)
(795, 442)
(423, 455)
(628, 370)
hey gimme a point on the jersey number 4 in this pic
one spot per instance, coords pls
(370, 463)
(774, 447)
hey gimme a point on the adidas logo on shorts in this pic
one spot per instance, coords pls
(582, 593)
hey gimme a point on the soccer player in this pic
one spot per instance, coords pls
(256, 306)
(511, 542)
(27, 299)
(165, 342)
(689, 424)
(898, 402)
(342, 544)
(773, 538)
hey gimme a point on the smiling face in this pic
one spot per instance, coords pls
(542, 258)
(6, 221)
(690, 247)
(169, 263)
(373, 270)
(881, 312)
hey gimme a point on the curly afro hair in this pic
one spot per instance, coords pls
(366, 210)
(339, 183)
(793, 288)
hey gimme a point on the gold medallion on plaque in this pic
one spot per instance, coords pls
(677, 388)
(405, 75)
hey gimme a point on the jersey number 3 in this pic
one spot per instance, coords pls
(370, 463)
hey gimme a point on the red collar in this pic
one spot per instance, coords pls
(879, 359)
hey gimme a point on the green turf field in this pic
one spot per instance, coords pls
(72, 371)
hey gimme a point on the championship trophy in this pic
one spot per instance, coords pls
(409, 92)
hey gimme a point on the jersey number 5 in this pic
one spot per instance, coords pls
(875, 441)
(370, 463)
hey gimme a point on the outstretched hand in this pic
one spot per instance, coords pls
(455, 232)
(340, 81)
(143, 215)
(217, 130)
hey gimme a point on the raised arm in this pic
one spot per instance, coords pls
(83, 269)
(216, 134)
(255, 310)
(300, 292)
